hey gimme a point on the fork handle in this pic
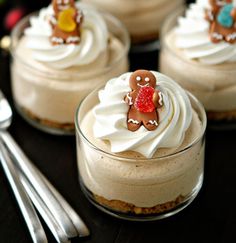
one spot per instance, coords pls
(57, 232)
(26, 166)
(35, 228)
(79, 224)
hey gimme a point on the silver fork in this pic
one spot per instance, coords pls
(65, 217)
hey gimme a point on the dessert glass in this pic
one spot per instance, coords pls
(48, 101)
(139, 189)
(148, 15)
(142, 18)
(213, 85)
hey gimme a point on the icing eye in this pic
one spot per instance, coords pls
(147, 79)
(59, 1)
(138, 78)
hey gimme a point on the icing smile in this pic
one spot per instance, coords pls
(145, 85)
(63, 4)
(63, 7)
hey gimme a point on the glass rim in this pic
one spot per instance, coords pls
(15, 35)
(165, 29)
(79, 131)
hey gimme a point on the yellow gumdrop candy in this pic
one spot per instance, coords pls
(66, 21)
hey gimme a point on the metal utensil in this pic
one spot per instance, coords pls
(35, 228)
(58, 233)
(52, 203)
(63, 214)
(31, 218)
(80, 226)
(47, 192)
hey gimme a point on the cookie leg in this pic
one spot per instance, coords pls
(216, 37)
(231, 38)
(73, 40)
(215, 33)
(57, 40)
(151, 122)
(133, 124)
(133, 120)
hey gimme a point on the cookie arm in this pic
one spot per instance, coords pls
(129, 98)
(233, 14)
(210, 14)
(158, 99)
(79, 17)
(52, 20)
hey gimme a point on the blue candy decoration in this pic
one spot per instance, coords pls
(224, 18)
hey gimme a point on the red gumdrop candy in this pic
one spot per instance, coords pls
(144, 100)
(12, 17)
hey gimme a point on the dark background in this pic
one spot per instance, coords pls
(27, 6)
(210, 218)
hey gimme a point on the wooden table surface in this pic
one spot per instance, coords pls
(210, 218)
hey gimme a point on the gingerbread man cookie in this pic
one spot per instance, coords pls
(66, 22)
(143, 101)
(222, 18)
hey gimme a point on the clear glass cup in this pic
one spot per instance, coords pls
(48, 100)
(143, 20)
(139, 189)
(213, 85)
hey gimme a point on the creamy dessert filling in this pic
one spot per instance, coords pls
(111, 115)
(132, 163)
(200, 62)
(193, 35)
(93, 41)
(50, 78)
(143, 18)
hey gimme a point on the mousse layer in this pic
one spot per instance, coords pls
(53, 94)
(131, 176)
(49, 81)
(143, 18)
(144, 183)
(204, 68)
(213, 85)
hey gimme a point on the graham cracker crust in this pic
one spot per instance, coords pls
(49, 123)
(222, 115)
(124, 207)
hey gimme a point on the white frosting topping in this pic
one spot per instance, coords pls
(192, 35)
(111, 117)
(94, 40)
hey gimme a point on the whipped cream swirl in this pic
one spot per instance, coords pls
(94, 40)
(192, 35)
(111, 117)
